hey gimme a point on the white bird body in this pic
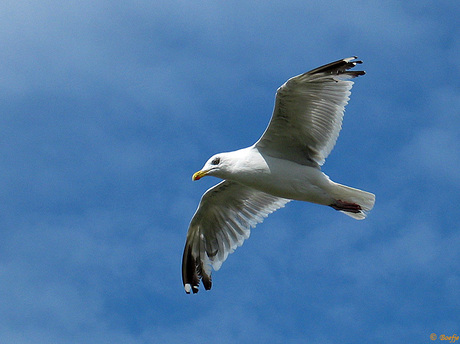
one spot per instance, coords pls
(277, 177)
(283, 165)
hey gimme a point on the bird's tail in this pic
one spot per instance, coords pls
(353, 202)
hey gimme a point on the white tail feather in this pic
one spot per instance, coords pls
(348, 194)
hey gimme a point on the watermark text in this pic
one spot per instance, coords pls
(450, 339)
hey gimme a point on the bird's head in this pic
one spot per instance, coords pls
(217, 166)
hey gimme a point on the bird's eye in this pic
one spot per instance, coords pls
(215, 161)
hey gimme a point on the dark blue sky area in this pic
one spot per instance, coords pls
(109, 107)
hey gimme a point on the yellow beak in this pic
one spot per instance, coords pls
(199, 175)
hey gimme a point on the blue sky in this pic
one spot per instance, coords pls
(108, 107)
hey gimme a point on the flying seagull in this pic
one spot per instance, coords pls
(283, 165)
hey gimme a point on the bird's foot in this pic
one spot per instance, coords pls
(346, 206)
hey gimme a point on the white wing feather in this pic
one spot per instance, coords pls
(221, 223)
(308, 113)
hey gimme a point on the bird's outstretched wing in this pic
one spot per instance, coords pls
(308, 113)
(222, 222)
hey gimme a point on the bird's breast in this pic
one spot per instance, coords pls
(286, 179)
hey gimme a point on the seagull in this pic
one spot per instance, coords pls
(283, 165)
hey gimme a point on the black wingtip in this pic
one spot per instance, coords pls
(193, 271)
(190, 278)
(206, 280)
(340, 67)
